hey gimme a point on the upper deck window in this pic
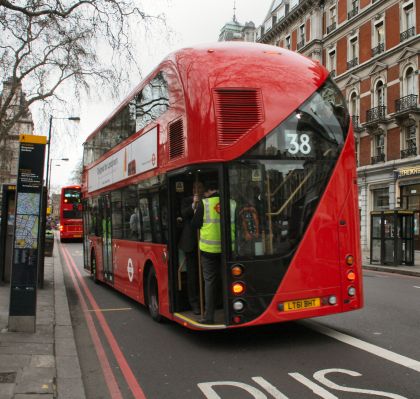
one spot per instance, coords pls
(146, 106)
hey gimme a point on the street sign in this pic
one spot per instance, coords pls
(22, 308)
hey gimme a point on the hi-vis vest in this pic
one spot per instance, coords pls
(210, 233)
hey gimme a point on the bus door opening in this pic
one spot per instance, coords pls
(105, 211)
(187, 190)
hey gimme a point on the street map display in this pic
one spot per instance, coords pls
(27, 221)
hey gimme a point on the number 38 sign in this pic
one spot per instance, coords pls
(298, 143)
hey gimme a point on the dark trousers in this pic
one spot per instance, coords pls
(211, 275)
(192, 279)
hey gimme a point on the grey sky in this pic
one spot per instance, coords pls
(190, 22)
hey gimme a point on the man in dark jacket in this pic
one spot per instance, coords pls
(188, 243)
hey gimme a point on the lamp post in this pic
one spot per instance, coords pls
(48, 182)
(70, 118)
(45, 201)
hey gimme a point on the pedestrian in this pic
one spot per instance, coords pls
(189, 244)
(207, 219)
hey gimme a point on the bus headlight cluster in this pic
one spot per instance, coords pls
(238, 306)
(332, 300)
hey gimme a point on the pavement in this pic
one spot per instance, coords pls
(45, 364)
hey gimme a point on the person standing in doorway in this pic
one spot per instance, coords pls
(207, 219)
(188, 243)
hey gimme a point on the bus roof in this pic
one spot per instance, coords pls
(198, 64)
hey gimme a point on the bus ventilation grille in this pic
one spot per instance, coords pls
(237, 112)
(176, 139)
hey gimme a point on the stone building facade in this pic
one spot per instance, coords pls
(9, 143)
(372, 49)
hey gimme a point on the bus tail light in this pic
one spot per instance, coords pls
(351, 291)
(238, 288)
(237, 319)
(237, 271)
(351, 275)
(61, 227)
(349, 260)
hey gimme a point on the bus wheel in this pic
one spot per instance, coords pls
(152, 296)
(93, 270)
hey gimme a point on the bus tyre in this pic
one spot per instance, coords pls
(93, 270)
(152, 296)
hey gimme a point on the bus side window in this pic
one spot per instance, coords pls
(116, 214)
(131, 220)
(145, 219)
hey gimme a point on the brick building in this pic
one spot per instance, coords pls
(372, 49)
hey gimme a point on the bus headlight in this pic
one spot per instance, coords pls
(332, 300)
(238, 306)
(351, 291)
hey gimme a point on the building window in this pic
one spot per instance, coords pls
(301, 38)
(410, 142)
(353, 109)
(378, 39)
(332, 62)
(332, 19)
(354, 8)
(380, 199)
(353, 53)
(409, 82)
(288, 42)
(408, 28)
(378, 149)
(379, 97)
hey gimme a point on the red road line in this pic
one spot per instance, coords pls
(119, 356)
(103, 360)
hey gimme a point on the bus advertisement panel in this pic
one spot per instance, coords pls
(222, 192)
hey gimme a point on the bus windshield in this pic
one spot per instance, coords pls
(277, 185)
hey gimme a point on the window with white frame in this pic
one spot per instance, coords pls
(379, 36)
(281, 13)
(353, 49)
(409, 82)
(287, 41)
(379, 97)
(408, 17)
(333, 16)
(353, 104)
(410, 137)
(379, 144)
(293, 3)
(301, 39)
(331, 60)
(268, 25)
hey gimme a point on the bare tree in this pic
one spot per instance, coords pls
(47, 44)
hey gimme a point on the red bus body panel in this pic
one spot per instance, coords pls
(286, 80)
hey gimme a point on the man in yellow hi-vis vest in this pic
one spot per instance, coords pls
(207, 219)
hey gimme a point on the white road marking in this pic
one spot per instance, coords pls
(315, 388)
(365, 346)
(321, 377)
(416, 286)
(271, 389)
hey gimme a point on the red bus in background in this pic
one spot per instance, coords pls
(71, 222)
(272, 129)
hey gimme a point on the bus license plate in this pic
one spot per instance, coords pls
(302, 304)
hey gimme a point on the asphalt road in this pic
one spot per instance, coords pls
(372, 353)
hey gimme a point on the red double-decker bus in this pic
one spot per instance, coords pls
(272, 130)
(71, 222)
